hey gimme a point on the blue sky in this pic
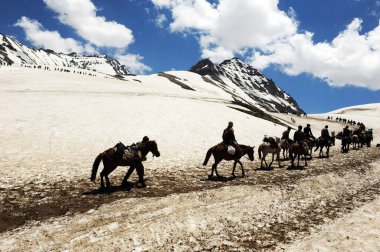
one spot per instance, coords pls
(325, 53)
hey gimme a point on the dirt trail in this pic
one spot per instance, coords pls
(37, 202)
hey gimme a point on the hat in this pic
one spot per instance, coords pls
(308, 125)
(326, 126)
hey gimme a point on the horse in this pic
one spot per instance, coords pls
(355, 142)
(220, 153)
(111, 160)
(284, 145)
(297, 149)
(346, 141)
(264, 150)
(311, 142)
(323, 143)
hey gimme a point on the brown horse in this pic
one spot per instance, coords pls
(297, 149)
(111, 160)
(284, 145)
(220, 153)
(264, 150)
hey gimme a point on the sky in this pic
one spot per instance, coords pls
(324, 53)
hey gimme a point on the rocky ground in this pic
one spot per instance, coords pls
(266, 210)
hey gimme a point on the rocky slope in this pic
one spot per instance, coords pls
(234, 76)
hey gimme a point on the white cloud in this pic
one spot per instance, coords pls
(233, 27)
(161, 20)
(133, 63)
(350, 58)
(40, 37)
(81, 16)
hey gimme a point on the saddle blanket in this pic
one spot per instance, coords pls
(131, 154)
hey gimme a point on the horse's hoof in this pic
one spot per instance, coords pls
(140, 185)
(209, 177)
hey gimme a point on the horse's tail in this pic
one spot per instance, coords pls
(95, 166)
(208, 155)
(259, 151)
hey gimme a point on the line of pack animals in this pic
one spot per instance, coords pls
(301, 145)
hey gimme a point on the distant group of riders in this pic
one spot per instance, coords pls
(301, 145)
(344, 120)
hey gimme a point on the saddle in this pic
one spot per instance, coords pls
(128, 153)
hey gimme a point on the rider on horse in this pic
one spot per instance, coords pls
(307, 132)
(229, 138)
(346, 132)
(299, 137)
(325, 135)
(285, 135)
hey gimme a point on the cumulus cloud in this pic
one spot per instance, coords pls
(350, 58)
(40, 37)
(81, 16)
(133, 62)
(233, 27)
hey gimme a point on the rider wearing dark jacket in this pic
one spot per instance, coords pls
(299, 135)
(229, 137)
(307, 132)
(325, 134)
(346, 132)
(285, 134)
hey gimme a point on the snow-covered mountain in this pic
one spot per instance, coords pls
(13, 52)
(246, 84)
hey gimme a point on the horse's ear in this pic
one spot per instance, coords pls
(253, 147)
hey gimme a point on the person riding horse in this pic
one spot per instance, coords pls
(325, 135)
(285, 135)
(229, 138)
(299, 137)
(307, 132)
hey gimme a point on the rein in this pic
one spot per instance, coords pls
(150, 160)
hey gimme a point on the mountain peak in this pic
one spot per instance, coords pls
(233, 74)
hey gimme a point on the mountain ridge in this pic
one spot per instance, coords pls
(234, 74)
(12, 52)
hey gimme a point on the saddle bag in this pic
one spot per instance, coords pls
(231, 150)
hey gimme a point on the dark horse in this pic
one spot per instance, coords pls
(220, 153)
(346, 141)
(296, 150)
(111, 160)
(323, 143)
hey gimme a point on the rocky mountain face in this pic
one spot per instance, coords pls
(246, 85)
(13, 52)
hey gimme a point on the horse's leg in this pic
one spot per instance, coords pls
(328, 150)
(242, 168)
(298, 160)
(140, 173)
(270, 165)
(264, 156)
(216, 170)
(233, 169)
(305, 160)
(278, 159)
(127, 175)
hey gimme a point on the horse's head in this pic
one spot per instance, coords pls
(250, 153)
(152, 146)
